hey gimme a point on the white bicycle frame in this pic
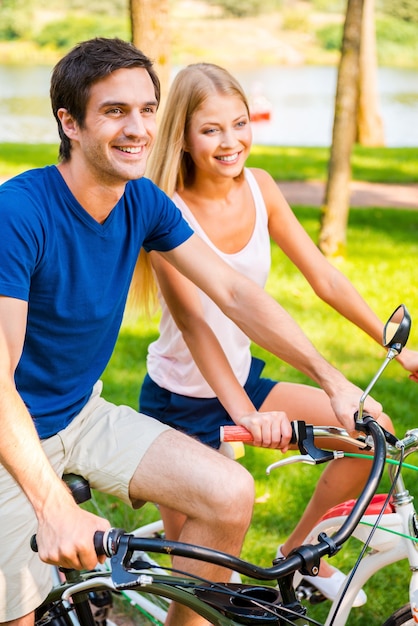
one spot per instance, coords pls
(389, 544)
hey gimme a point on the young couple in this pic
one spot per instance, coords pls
(71, 236)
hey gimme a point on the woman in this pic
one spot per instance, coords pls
(200, 371)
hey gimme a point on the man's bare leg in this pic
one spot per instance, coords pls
(215, 494)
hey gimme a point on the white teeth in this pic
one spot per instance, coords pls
(232, 157)
(130, 150)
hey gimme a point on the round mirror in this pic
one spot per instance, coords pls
(396, 330)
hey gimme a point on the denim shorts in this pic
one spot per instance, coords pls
(200, 417)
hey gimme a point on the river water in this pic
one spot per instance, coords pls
(302, 100)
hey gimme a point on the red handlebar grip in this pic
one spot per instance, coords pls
(236, 433)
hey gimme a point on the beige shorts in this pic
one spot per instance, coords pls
(104, 443)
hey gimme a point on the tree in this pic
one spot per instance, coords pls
(151, 34)
(370, 131)
(332, 238)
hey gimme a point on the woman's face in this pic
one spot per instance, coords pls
(219, 136)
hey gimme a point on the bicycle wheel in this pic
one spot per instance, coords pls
(401, 617)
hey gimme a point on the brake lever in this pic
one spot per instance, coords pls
(328, 455)
(360, 425)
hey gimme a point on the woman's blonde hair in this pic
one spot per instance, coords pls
(170, 165)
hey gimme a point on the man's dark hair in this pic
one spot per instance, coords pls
(88, 62)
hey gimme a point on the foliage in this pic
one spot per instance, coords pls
(245, 8)
(104, 7)
(51, 28)
(406, 10)
(296, 20)
(397, 40)
(389, 29)
(65, 33)
(15, 19)
(330, 36)
(330, 6)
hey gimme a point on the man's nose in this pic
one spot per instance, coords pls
(135, 125)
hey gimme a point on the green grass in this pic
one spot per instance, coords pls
(16, 157)
(386, 165)
(382, 247)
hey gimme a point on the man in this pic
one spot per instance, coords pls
(71, 235)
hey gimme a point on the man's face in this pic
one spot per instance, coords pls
(119, 127)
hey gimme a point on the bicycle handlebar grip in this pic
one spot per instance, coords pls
(106, 543)
(240, 433)
(33, 543)
(236, 433)
(98, 540)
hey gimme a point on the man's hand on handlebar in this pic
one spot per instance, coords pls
(65, 535)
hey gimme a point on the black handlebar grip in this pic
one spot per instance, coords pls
(106, 543)
(33, 543)
(98, 540)
(294, 438)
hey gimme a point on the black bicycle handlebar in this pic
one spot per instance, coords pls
(120, 545)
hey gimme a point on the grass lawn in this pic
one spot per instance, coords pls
(390, 165)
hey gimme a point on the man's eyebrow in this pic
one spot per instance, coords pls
(113, 103)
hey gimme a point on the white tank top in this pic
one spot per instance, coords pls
(169, 361)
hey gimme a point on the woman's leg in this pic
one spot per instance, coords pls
(341, 479)
(173, 522)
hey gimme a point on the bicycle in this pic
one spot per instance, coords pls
(230, 604)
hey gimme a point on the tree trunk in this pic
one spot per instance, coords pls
(151, 34)
(332, 238)
(370, 131)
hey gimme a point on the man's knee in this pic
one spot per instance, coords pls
(236, 501)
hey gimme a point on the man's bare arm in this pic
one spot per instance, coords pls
(60, 519)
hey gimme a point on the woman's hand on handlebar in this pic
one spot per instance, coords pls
(270, 429)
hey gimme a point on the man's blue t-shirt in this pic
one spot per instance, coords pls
(75, 275)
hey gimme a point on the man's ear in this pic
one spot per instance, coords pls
(68, 123)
